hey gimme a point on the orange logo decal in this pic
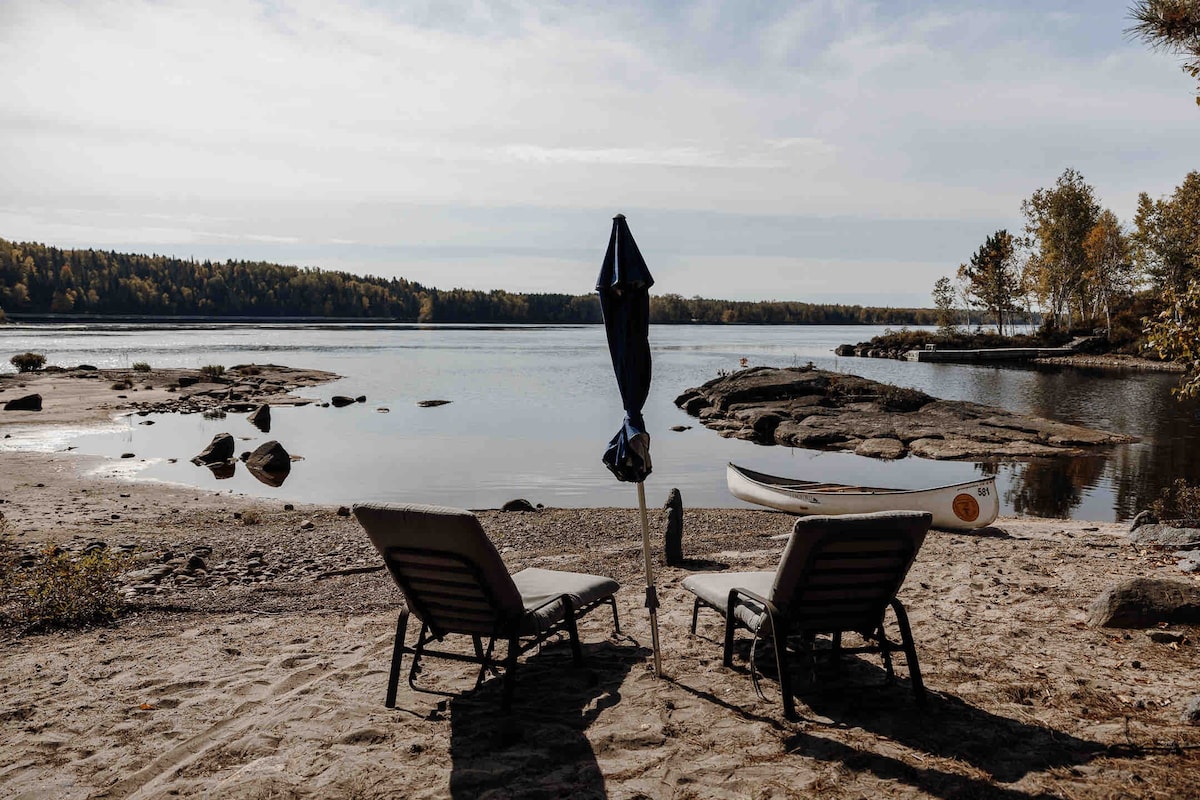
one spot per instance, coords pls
(966, 508)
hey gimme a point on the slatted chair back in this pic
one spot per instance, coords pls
(451, 574)
(838, 573)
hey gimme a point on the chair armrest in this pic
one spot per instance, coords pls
(767, 604)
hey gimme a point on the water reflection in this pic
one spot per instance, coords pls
(533, 406)
(270, 478)
(222, 470)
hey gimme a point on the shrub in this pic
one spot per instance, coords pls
(28, 362)
(59, 590)
(251, 516)
(1180, 500)
(141, 366)
(212, 371)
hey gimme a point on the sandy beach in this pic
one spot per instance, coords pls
(264, 676)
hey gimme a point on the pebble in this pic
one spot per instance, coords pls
(307, 525)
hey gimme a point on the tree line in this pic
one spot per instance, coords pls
(1083, 268)
(40, 279)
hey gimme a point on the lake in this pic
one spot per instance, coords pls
(532, 408)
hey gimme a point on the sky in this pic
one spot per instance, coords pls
(824, 151)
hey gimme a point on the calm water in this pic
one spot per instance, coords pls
(533, 406)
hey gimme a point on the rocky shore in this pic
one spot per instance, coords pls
(812, 408)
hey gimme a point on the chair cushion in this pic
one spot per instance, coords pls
(537, 586)
(713, 588)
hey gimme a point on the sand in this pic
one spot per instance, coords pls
(270, 683)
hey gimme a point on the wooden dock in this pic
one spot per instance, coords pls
(990, 354)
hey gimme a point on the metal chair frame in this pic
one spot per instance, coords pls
(796, 627)
(502, 627)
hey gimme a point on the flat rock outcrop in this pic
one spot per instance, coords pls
(811, 408)
(1144, 603)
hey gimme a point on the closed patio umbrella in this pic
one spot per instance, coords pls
(624, 287)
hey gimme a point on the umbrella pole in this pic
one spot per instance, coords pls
(651, 593)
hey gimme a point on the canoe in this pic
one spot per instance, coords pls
(961, 506)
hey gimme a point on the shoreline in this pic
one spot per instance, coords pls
(265, 676)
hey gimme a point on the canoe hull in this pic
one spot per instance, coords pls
(962, 506)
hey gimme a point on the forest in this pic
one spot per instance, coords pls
(37, 279)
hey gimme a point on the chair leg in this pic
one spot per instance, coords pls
(785, 673)
(910, 651)
(416, 660)
(397, 657)
(572, 631)
(510, 674)
(612, 601)
(727, 660)
(695, 614)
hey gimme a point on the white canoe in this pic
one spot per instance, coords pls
(962, 506)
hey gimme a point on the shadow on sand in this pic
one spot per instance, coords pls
(539, 749)
(858, 696)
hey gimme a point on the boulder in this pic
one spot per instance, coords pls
(30, 402)
(220, 449)
(261, 418)
(432, 403)
(880, 448)
(1144, 603)
(520, 504)
(270, 457)
(1173, 534)
(341, 401)
(844, 350)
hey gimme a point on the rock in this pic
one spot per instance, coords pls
(681, 428)
(260, 418)
(270, 457)
(341, 401)
(343, 511)
(219, 449)
(1191, 712)
(807, 407)
(1142, 518)
(880, 448)
(86, 368)
(288, 507)
(307, 525)
(195, 563)
(1172, 534)
(362, 398)
(186, 380)
(30, 402)
(673, 535)
(518, 505)
(844, 350)
(1190, 561)
(1144, 603)
(1166, 637)
(432, 403)
(128, 455)
(384, 410)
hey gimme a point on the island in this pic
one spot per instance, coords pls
(815, 409)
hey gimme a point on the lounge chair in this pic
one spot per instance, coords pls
(455, 582)
(837, 573)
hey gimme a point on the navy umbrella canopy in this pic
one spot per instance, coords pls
(624, 286)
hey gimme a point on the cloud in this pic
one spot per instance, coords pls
(301, 123)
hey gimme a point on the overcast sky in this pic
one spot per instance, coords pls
(819, 151)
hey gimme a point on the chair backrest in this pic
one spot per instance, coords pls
(838, 573)
(452, 576)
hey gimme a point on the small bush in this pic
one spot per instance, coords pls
(212, 371)
(1180, 500)
(59, 590)
(141, 366)
(251, 516)
(28, 362)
